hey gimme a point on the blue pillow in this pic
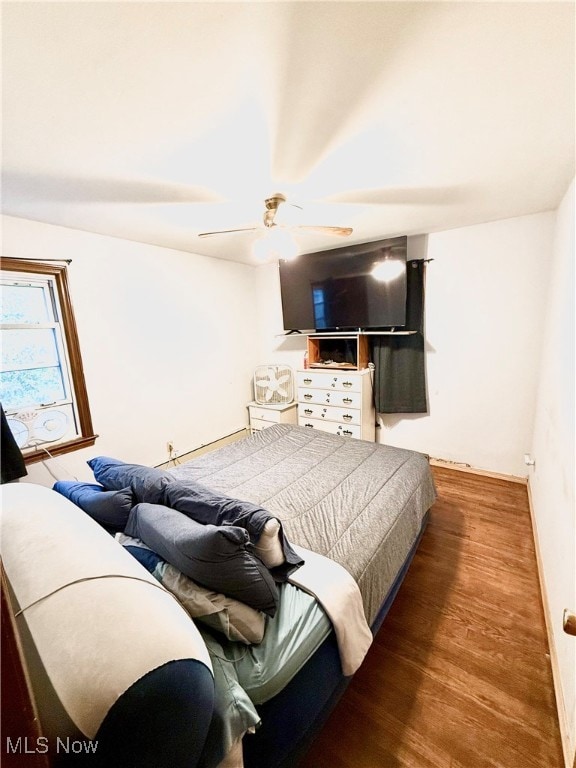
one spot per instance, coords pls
(155, 486)
(150, 560)
(147, 483)
(220, 558)
(109, 508)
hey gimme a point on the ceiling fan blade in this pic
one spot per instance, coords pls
(228, 231)
(340, 231)
(271, 208)
(65, 188)
(398, 196)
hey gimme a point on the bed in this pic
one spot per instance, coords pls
(359, 503)
(359, 506)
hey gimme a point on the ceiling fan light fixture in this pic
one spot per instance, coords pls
(275, 244)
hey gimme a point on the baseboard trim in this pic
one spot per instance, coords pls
(204, 448)
(568, 748)
(446, 464)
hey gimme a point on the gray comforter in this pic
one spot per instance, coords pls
(358, 503)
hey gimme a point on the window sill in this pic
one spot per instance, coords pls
(60, 449)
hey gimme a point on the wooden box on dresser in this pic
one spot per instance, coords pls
(338, 401)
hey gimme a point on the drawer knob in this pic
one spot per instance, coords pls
(308, 411)
(346, 383)
(347, 416)
(309, 425)
(308, 397)
(346, 432)
(347, 400)
(307, 381)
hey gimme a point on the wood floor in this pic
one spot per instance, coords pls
(459, 674)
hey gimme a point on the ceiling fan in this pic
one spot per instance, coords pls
(272, 204)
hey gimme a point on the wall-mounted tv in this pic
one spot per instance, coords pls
(340, 289)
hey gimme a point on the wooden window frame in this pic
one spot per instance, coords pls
(80, 394)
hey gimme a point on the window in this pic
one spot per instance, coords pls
(42, 386)
(319, 301)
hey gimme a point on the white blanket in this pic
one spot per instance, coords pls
(339, 595)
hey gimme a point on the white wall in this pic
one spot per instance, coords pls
(168, 342)
(485, 294)
(273, 345)
(552, 479)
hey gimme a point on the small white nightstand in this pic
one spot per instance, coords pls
(262, 416)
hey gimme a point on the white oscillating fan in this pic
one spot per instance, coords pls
(273, 384)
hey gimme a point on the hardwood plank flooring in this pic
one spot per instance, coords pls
(459, 674)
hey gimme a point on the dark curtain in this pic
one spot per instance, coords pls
(11, 460)
(400, 375)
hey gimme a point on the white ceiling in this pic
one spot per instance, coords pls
(156, 121)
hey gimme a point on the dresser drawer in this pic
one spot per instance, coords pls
(265, 414)
(257, 424)
(329, 413)
(335, 427)
(345, 382)
(330, 397)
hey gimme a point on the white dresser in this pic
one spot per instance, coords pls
(337, 401)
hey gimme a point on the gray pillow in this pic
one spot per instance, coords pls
(236, 620)
(216, 557)
(155, 486)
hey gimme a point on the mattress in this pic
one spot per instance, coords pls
(358, 503)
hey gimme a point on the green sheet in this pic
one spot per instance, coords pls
(291, 637)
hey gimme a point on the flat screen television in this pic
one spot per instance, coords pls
(336, 290)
